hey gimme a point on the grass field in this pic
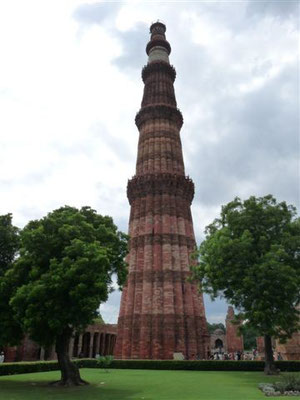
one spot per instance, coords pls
(137, 385)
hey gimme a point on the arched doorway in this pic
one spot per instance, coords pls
(218, 344)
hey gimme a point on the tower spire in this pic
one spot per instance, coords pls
(161, 311)
(158, 48)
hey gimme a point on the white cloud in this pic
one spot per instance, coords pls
(70, 87)
(110, 310)
(217, 318)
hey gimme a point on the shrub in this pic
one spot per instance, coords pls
(279, 387)
(292, 381)
(289, 384)
(27, 367)
(104, 361)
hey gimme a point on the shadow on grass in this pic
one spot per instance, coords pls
(42, 390)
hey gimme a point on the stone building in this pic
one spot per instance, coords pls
(97, 339)
(218, 341)
(291, 349)
(229, 341)
(161, 311)
(234, 341)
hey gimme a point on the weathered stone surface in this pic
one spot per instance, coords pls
(291, 349)
(158, 184)
(161, 311)
(234, 341)
(218, 341)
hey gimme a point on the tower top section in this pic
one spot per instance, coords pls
(230, 313)
(158, 28)
(158, 48)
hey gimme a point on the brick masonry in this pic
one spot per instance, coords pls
(161, 311)
(291, 349)
(234, 342)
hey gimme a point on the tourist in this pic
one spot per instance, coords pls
(1, 357)
(279, 356)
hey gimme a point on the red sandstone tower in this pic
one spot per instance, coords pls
(235, 342)
(161, 312)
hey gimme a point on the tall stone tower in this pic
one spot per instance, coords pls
(161, 312)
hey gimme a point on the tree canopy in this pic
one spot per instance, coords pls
(9, 246)
(251, 256)
(249, 336)
(212, 327)
(63, 273)
(9, 242)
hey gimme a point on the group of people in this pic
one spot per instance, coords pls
(247, 356)
(237, 356)
(227, 356)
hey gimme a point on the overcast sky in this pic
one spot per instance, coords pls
(70, 86)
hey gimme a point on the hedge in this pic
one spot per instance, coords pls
(43, 366)
(203, 365)
(24, 367)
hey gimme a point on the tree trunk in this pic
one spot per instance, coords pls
(270, 368)
(70, 375)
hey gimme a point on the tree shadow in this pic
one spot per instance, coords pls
(42, 390)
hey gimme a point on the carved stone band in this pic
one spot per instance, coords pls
(159, 111)
(158, 66)
(158, 276)
(163, 183)
(165, 238)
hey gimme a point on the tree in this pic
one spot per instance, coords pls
(9, 246)
(249, 336)
(9, 242)
(251, 256)
(212, 327)
(63, 273)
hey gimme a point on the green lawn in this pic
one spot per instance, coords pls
(137, 385)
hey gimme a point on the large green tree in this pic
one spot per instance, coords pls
(63, 273)
(251, 256)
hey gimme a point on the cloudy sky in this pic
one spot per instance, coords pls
(70, 87)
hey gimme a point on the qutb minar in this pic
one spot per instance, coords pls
(161, 312)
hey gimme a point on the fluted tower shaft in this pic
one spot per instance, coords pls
(161, 311)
